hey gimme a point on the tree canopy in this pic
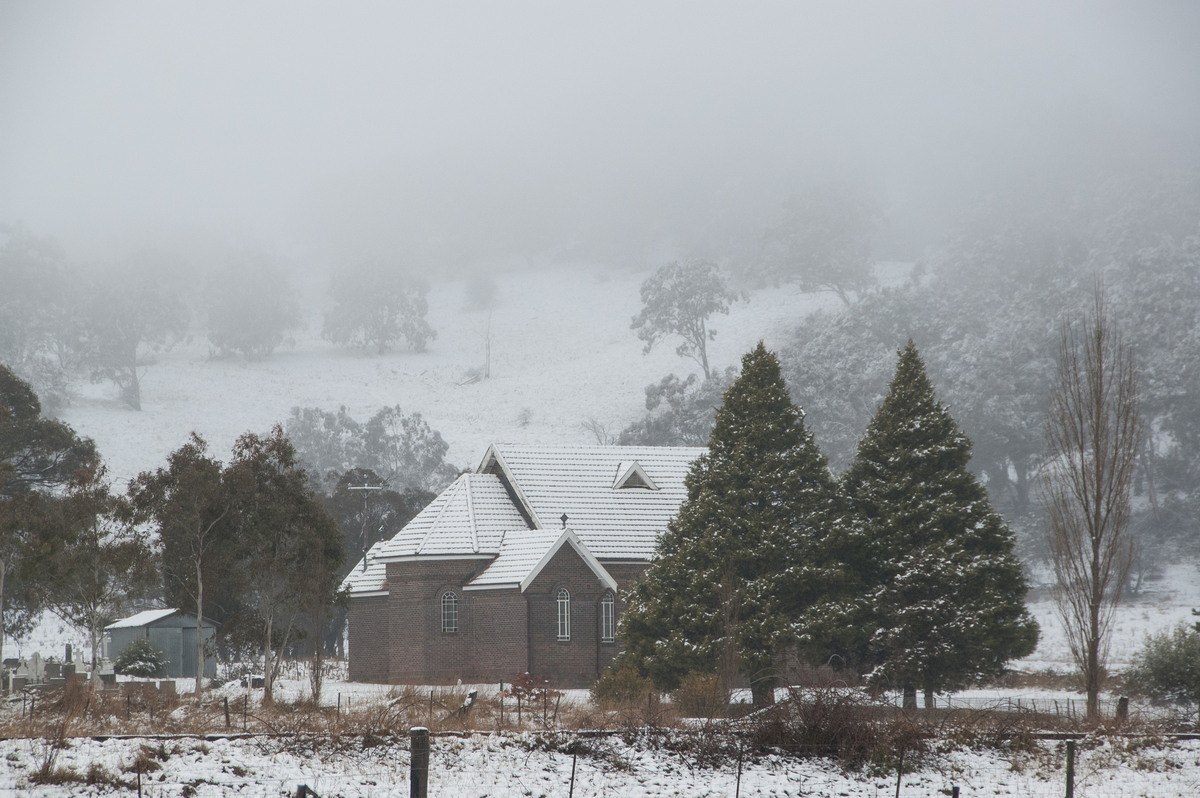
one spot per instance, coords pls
(678, 299)
(946, 591)
(758, 502)
(376, 307)
(38, 456)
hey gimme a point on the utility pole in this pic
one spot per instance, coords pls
(365, 488)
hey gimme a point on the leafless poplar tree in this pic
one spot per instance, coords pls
(1093, 435)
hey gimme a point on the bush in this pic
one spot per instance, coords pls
(623, 687)
(141, 658)
(1168, 666)
(700, 695)
(840, 724)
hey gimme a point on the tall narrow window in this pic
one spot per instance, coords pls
(450, 611)
(608, 618)
(564, 614)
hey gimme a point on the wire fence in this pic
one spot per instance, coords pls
(626, 765)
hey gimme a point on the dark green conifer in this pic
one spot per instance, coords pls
(733, 569)
(946, 590)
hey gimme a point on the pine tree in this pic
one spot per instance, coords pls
(728, 579)
(946, 590)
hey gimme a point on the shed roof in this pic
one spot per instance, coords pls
(147, 617)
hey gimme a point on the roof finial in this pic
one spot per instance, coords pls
(564, 520)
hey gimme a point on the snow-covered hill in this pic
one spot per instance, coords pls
(562, 353)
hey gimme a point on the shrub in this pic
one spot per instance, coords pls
(1168, 666)
(840, 724)
(622, 687)
(700, 695)
(141, 658)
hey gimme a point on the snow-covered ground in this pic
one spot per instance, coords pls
(509, 766)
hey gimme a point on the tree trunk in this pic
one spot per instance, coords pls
(910, 696)
(762, 691)
(199, 627)
(268, 671)
(3, 573)
(929, 699)
(94, 645)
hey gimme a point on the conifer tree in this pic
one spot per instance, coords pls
(946, 590)
(724, 588)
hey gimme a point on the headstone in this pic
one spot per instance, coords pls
(167, 686)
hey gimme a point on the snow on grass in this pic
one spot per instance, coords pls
(514, 766)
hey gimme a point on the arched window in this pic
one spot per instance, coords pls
(608, 618)
(564, 614)
(450, 612)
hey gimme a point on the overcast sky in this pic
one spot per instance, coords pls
(323, 127)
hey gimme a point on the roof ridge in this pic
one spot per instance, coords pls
(456, 487)
(471, 515)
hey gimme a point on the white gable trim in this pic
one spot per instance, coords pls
(570, 537)
(493, 455)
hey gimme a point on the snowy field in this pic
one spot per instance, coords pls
(512, 766)
(562, 353)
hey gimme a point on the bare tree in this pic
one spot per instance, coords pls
(1093, 436)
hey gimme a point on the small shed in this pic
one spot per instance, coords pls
(169, 630)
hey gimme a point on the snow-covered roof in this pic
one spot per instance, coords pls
(469, 517)
(582, 482)
(141, 619)
(525, 552)
(617, 499)
(370, 579)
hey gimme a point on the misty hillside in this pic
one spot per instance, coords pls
(562, 354)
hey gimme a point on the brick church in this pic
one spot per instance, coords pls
(517, 567)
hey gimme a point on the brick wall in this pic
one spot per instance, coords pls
(566, 663)
(421, 653)
(501, 633)
(369, 638)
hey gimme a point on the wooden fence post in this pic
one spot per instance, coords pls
(1070, 769)
(418, 764)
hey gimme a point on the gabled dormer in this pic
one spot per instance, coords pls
(630, 474)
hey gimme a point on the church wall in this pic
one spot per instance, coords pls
(370, 640)
(566, 663)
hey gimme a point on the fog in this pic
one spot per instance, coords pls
(451, 134)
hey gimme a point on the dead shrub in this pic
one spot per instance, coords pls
(623, 688)
(700, 695)
(55, 775)
(840, 724)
